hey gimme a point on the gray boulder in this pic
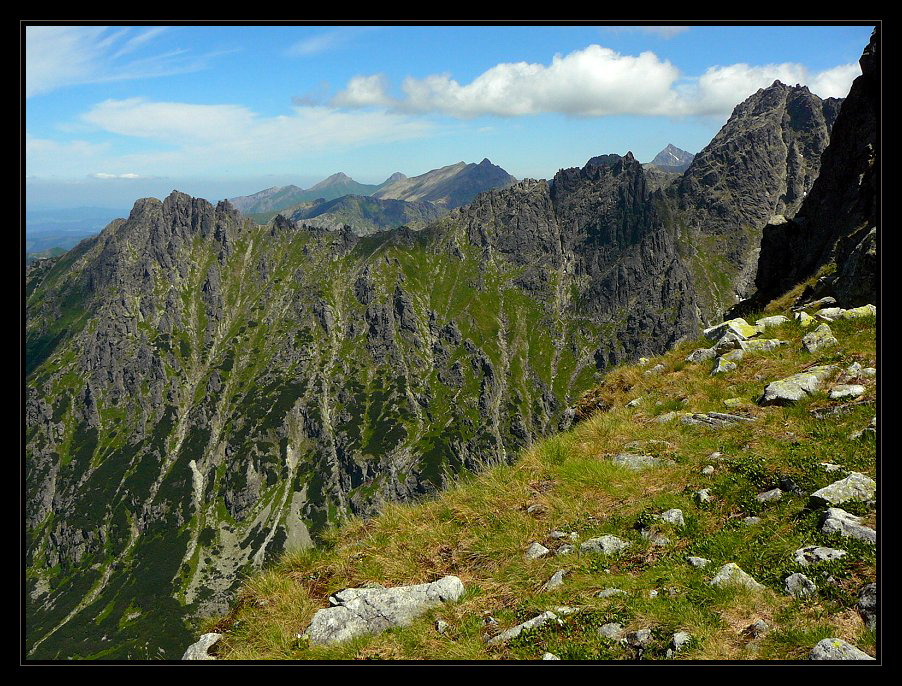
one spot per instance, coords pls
(836, 520)
(727, 362)
(798, 585)
(550, 656)
(767, 322)
(557, 579)
(821, 337)
(611, 630)
(846, 391)
(535, 550)
(362, 611)
(674, 516)
(198, 651)
(698, 562)
(814, 554)
(767, 496)
(867, 605)
(732, 575)
(606, 544)
(837, 649)
(794, 388)
(761, 345)
(610, 593)
(637, 462)
(701, 355)
(515, 631)
(855, 486)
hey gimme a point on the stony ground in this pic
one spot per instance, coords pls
(700, 511)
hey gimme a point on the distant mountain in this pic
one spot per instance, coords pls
(673, 159)
(451, 186)
(279, 198)
(366, 215)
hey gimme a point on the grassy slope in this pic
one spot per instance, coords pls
(479, 529)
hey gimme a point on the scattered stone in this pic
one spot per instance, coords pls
(657, 369)
(788, 485)
(731, 574)
(701, 355)
(635, 402)
(515, 631)
(536, 509)
(653, 593)
(198, 651)
(679, 640)
(839, 521)
(729, 341)
(837, 649)
(655, 537)
(738, 326)
(610, 593)
(815, 553)
(751, 521)
(637, 462)
(550, 656)
(610, 630)
(830, 467)
(816, 304)
(798, 585)
(733, 403)
(855, 312)
(727, 362)
(561, 534)
(821, 337)
(708, 470)
(639, 638)
(606, 544)
(854, 369)
(536, 550)
(846, 391)
(361, 611)
(715, 420)
(698, 562)
(804, 319)
(761, 345)
(441, 626)
(869, 371)
(565, 549)
(703, 496)
(756, 629)
(767, 496)
(867, 605)
(795, 387)
(767, 322)
(715, 456)
(556, 580)
(829, 313)
(674, 516)
(855, 486)
(667, 417)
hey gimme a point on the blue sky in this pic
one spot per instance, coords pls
(121, 112)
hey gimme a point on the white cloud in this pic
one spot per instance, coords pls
(59, 56)
(323, 42)
(209, 139)
(105, 175)
(592, 82)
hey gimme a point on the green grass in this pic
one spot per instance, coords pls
(479, 527)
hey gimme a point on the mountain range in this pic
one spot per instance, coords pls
(204, 391)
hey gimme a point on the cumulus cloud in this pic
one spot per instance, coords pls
(59, 56)
(592, 82)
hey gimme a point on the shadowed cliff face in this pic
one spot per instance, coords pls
(760, 164)
(837, 220)
(204, 392)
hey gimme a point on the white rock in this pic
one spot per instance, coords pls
(731, 574)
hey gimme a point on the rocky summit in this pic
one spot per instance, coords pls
(230, 420)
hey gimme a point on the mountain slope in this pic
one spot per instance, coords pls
(760, 164)
(203, 392)
(704, 500)
(837, 221)
(281, 197)
(365, 215)
(451, 186)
